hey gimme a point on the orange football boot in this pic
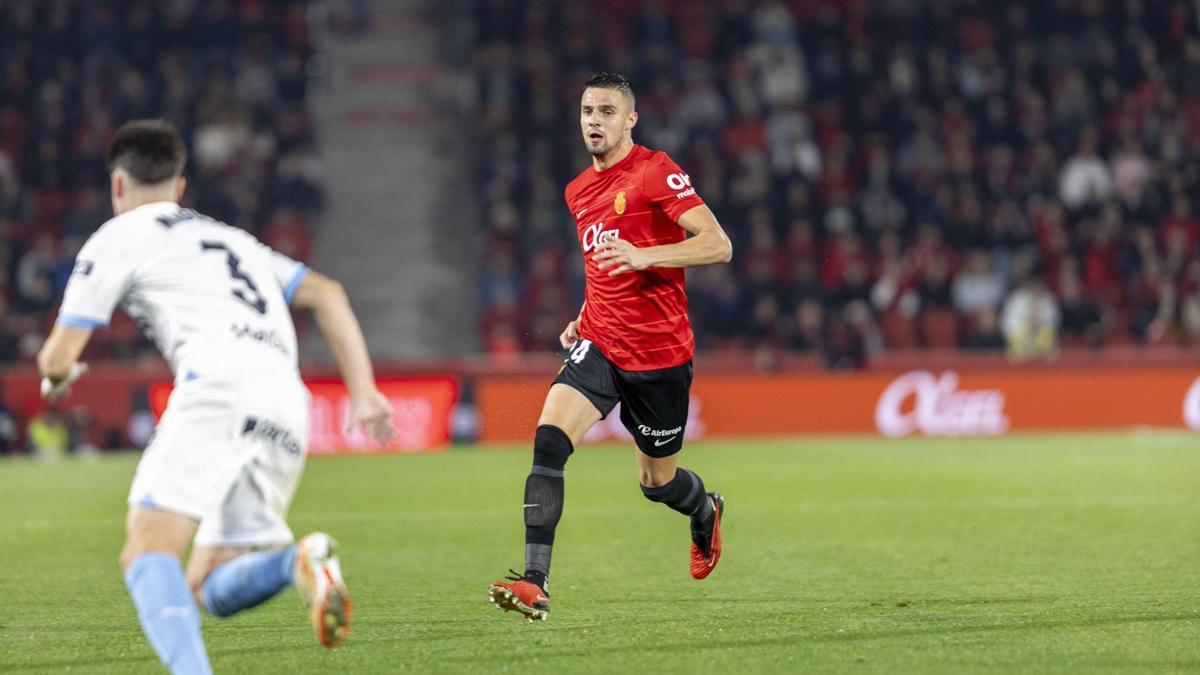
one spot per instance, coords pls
(318, 578)
(521, 595)
(706, 546)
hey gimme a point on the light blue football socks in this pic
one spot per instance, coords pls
(167, 612)
(248, 580)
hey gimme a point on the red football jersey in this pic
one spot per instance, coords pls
(638, 319)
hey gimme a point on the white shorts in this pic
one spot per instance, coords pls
(228, 454)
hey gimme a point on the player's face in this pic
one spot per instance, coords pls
(604, 117)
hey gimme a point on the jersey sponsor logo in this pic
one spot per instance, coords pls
(682, 184)
(82, 268)
(611, 427)
(679, 181)
(658, 433)
(266, 337)
(595, 235)
(619, 203)
(274, 434)
(939, 407)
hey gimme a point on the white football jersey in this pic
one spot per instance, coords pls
(210, 296)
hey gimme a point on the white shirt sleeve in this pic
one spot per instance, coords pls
(286, 271)
(102, 275)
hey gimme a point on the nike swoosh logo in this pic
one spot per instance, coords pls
(664, 441)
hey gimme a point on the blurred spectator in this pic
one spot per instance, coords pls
(1152, 301)
(852, 338)
(1030, 320)
(1189, 304)
(49, 434)
(810, 319)
(983, 332)
(35, 275)
(977, 287)
(828, 141)
(232, 77)
(9, 431)
(91, 210)
(1085, 177)
(9, 336)
(287, 233)
(1083, 322)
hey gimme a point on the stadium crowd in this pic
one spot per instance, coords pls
(894, 174)
(231, 75)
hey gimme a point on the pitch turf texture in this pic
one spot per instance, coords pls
(1024, 554)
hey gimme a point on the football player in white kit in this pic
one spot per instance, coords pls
(226, 457)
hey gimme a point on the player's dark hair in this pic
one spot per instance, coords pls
(611, 81)
(150, 151)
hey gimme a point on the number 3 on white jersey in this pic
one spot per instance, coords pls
(580, 350)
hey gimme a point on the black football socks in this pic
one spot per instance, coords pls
(684, 493)
(544, 500)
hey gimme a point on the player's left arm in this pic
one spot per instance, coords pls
(58, 359)
(708, 245)
(327, 299)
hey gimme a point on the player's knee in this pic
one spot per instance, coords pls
(135, 549)
(140, 541)
(656, 476)
(195, 577)
(126, 558)
(551, 448)
(649, 479)
(196, 586)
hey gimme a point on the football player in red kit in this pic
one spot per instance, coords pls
(632, 342)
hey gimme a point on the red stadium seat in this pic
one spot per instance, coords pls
(939, 329)
(897, 331)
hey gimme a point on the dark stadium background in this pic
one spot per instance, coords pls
(949, 383)
(909, 185)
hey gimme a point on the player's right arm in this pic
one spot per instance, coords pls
(58, 359)
(330, 306)
(103, 272)
(571, 334)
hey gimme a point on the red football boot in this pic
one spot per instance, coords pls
(522, 595)
(706, 545)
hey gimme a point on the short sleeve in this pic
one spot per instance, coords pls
(103, 273)
(666, 186)
(286, 271)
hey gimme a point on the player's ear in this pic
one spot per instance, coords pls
(180, 186)
(118, 185)
(631, 121)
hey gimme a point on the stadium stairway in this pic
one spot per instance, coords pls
(396, 232)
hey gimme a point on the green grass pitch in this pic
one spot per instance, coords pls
(1045, 553)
